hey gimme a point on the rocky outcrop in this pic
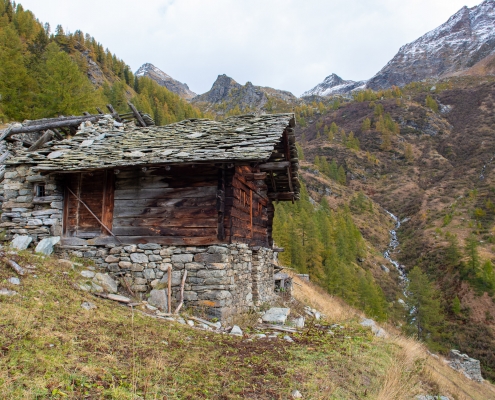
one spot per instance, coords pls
(465, 39)
(334, 85)
(165, 80)
(470, 367)
(226, 94)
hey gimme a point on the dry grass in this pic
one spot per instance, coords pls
(334, 308)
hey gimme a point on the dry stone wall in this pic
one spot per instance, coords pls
(221, 280)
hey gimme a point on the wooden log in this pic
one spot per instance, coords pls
(114, 113)
(4, 156)
(169, 289)
(46, 137)
(255, 176)
(50, 124)
(165, 193)
(281, 196)
(136, 114)
(16, 267)
(164, 231)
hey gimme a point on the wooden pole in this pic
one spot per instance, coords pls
(181, 292)
(46, 137)
(169, 290)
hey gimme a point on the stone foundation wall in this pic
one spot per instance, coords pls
(221, 280)
(24, 213)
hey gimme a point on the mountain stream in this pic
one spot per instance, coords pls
(392, 246)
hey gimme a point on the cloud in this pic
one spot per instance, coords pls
(286, 44)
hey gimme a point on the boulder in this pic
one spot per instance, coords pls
(276, 315)
(45, 246)
(470, 367)
(7, 292)
(14, 281)
(21, 242)
(87, 305)
(88, 274)
(158, 298)
(106, 282)
(236, 331)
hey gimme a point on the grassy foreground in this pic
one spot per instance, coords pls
(51, 348)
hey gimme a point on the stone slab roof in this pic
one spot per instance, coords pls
(109, 144)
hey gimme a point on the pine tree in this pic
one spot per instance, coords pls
(366, 125)
(425, 311)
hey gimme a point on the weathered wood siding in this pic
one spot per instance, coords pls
(176, 206)
(246, 213)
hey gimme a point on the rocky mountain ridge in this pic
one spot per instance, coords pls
(226, 95)
(166, 80)
(465, 39)
(334, 85)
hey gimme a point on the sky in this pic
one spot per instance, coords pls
(285, 44)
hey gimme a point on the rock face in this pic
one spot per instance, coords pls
(465, 364)
(465, 39)
(333, 85)
(165, 80)
(249, 98)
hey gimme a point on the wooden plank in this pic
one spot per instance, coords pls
(108, 200)
(254, 176)
(164, 203)
(163, 231)
(165, 193)
(46, 137)
(251, 210)
(166, 212)
(274, 166)
(281, 196)
(193, 222)
(163, 240)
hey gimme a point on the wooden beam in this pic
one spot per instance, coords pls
(46, 137)
(275, 166)
(256, 176)
(49, 124)
(281, 196)
(114, 113)
(221, 204)
(136, 114)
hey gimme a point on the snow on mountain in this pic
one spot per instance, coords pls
(333, 85)
(465, 39)
(166, 80)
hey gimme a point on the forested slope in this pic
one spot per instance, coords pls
(46, 74)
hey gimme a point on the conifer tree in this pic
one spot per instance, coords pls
(366, 125)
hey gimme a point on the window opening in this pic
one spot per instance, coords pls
(40, 190)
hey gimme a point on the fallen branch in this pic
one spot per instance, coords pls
(278, 328)
(181, 292)
(16, 267)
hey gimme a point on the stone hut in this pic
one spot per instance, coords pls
(195, 195)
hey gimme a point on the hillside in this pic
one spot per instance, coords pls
(53, 348)
(432, 167)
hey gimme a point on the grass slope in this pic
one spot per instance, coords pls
(51, 348)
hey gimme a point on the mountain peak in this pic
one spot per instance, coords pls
(464, 39)
(165, 80)
(333, 85)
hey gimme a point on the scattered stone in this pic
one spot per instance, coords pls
(21, 242)
(470, 367)
(384, 269)
(85, 287)
(276, 315)
(14, 281)
(236, 331)
(181, 321)
(377, 331)
(88, 274)
(260, 336)
(87, 305)
(190, 323)
(288, 338)
(158, 298)
(429, 397)
(296, 394)
(96, 288)
(298, 322)
(151, 308)
(45, 246)
(106, 282)
(7, 292)
(119, 298)
(65, 263)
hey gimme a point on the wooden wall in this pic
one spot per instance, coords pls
(246, 212)
(176, 206)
